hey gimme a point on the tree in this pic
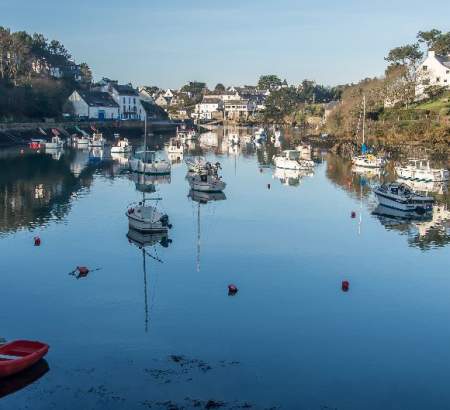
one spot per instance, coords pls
(435, 40)
(196, 90)
(86, 73)
(269, 82)
(219, 88)
(281, 103)
(406, 59)
(428, 37)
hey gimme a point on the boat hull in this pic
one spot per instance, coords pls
(406, 206)
(141, 167)
(23, 353)
(422, 174)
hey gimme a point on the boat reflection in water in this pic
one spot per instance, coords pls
(425, 230)
(23, 379)
(292, 177)
(202, 198)
(368, 173)
(145, 241)
(439, 188)
(146, 183)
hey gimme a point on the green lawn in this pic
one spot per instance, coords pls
(436, 105)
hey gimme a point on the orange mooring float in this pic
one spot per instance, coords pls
(232, 289)
(345, 285)
(37, 241)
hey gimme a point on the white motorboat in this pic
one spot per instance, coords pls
(365, 159)
(147, 218)
(290, 159)
(82, 142)
(420, 170)
(401, 197)
(175, 146)
(147, 162)
(54, 143)
(122, 146)
(97, 140)
(207, 179)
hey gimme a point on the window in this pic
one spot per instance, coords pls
(123, 100)
(134, 101)
(438, 79)
(425, 68)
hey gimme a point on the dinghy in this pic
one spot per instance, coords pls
(20, 355)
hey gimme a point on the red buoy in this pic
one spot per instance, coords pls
(345, 285)
(82, 271)
(232, 289)
(353, 214)
(37, 241)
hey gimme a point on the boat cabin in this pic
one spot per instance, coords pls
(292, 155)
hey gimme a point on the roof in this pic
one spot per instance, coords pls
(154, 110)
(236, 102)
(211, 100)
(125, 89)
(444, 60)
(97, 99)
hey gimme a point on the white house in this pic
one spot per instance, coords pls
(434, 71)
(130, 107)
(238, 109)
(209, 108)
(146, 94)
(94, 104)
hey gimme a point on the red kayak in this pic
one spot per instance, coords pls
(20, 355)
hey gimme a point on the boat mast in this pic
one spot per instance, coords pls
(145, 138)
(364, 120)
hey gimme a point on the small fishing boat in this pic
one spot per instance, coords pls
(122, 146)
(175, 146)
(146, 218)
(54, 143)
(146, 162)
(420, 170)
(19, 355)
(82, 142)
(400, 196)
(290, 159)
(97, 140)
(366, 159)
(207, 179)
(37, 143)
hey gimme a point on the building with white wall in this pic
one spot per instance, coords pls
(209, 108)
(94, 105)
(434, 71)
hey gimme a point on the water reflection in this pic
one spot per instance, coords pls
(19, 381)
(202, 198)
(145, 241)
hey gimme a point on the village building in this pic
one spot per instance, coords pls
(211, 107)
(128, 99)
(162, 101)
(236, 110)
(147, 93)
(434, 71)
(93, 105)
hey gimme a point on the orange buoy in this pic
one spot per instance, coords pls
(345, 285)
(232, 289)
(37, 241)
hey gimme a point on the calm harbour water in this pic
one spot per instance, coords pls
(171, 338)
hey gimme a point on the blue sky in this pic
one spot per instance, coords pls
(168, 43)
